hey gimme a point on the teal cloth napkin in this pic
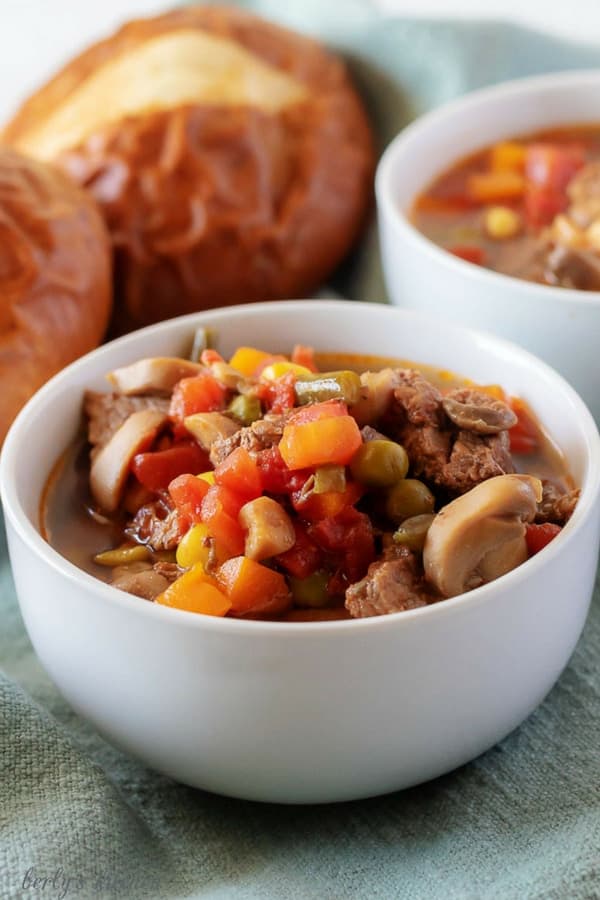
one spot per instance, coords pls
(79, 819)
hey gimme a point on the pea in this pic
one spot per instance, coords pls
(412, 532)
(310, 591)
(409, 497)
(379, 463)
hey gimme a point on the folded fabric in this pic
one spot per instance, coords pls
(80, 819)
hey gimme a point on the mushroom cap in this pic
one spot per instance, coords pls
(481, 535)
(158, 374)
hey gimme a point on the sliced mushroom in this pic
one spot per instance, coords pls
(157, 374)
(481, 535)
(268, 527)
(208, 427)
(377, 391)
(477, 411)
(109, 469)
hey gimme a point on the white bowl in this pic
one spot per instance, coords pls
(560, 325)
(305, 712)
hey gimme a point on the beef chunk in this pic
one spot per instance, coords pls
(259, 436)
(107, 412)
(556, 505)
(584, 195)
(441, 448)
(170, 571)
(391, 585)
(418, 399)
(573, 267)
(156, 525)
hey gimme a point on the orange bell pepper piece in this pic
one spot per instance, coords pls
(195, 591)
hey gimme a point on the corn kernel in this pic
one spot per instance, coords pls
(209, 477)
(501, 222)
(193, 547)
(278, 369)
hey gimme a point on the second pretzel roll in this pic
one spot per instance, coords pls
(232, 159)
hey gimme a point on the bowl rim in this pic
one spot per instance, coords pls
(518, 88)
(32, 538)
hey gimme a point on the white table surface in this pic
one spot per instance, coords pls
(36, 36)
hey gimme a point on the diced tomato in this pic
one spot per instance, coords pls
(525, 435)
(538, 536)
(314, 411)
(157, 470)
(187, 493)
(202, 393)
(278, 395)
(304, 356)
(252, 588)
(541, 205)
(220, 510)
(552, 166)
(470, 254)
(303, 558)
(328, 504)
(276, 477)
(349, 536)
(330, 440)
(239, 473)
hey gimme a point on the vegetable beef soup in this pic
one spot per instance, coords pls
(528, 207)
(302, 487)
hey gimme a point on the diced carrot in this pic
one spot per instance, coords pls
(252, 588)
(195, 591)
(539, 536)
(239, 473)
(314, 411)
(494, 187)
(331, 440)
(508, 156)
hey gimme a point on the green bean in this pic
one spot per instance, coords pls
(408, 498)
(379, 463)
(329, 478)
(412, 532)
(322, 386)
(204, 338)
(122, 556)
(246, 408)
(311, 591)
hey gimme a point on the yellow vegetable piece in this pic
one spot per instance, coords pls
(209, 477)
(501, 222)
(278, 369)
(194, 547)
(195, 591)
(122, 556)
(508, 155)
(247, 359)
